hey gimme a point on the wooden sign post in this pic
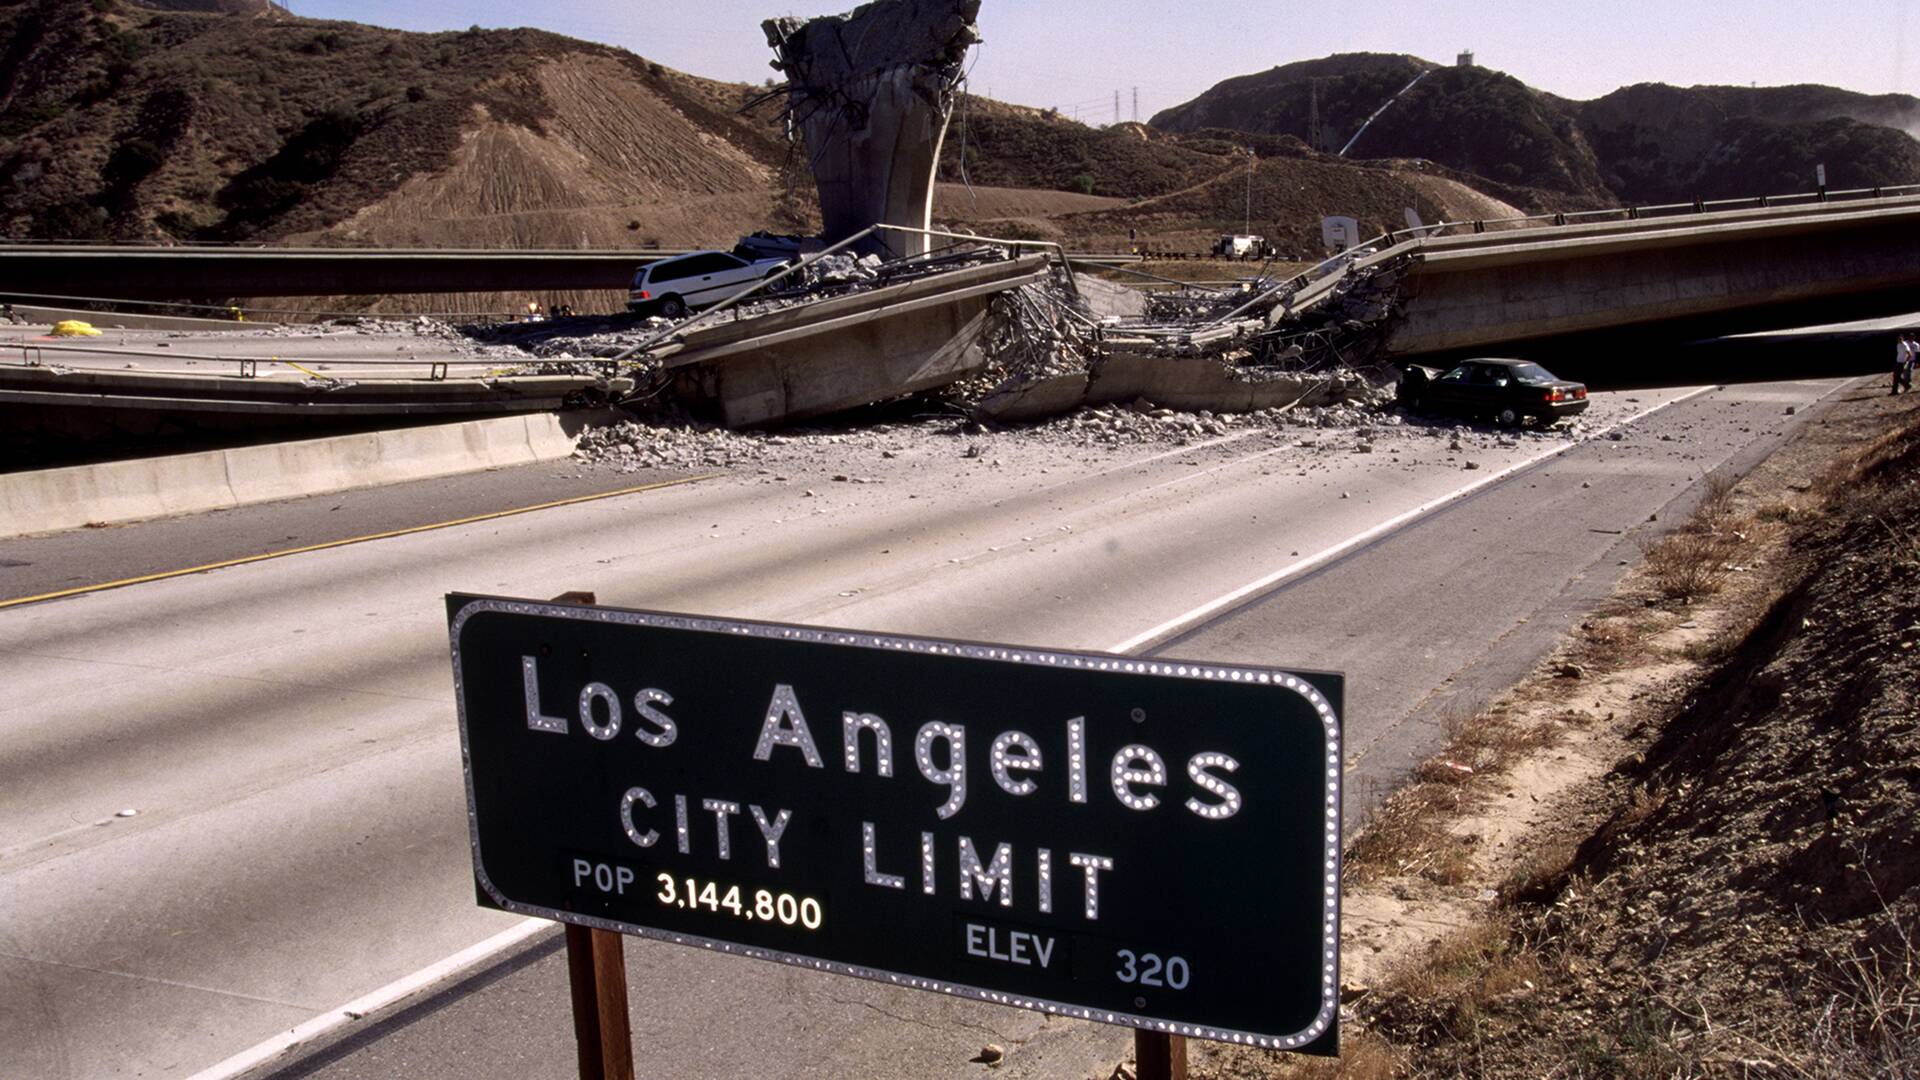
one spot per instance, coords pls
(1159, 1056)
(596, 967)
(597, 973)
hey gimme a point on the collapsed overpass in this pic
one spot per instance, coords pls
(1678, 278)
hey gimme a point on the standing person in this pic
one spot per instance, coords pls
(1902, 362)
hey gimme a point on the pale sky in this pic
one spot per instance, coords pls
(1073, 54)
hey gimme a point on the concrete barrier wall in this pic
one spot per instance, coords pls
(49, 500)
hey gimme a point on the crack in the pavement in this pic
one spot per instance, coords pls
(156, 979)
(912, 1020)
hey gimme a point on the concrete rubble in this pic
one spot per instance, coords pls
(857, 450)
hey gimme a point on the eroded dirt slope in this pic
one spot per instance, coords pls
(612, 154)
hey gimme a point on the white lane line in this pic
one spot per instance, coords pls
(1213, 607)
(360, 1007)
(466, 958)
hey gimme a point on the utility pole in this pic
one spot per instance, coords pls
(1253, 163)
(1116, 108)
(1315, 137)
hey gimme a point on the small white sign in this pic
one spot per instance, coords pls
(1340, 233)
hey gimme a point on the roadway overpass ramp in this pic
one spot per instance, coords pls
(1704, 275)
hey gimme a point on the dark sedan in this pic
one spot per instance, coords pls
(1503, 391)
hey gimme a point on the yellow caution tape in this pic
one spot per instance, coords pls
(309, 372)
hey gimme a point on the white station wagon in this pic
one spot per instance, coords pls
(673, 287)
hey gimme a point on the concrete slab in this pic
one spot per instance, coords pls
(1171, 382)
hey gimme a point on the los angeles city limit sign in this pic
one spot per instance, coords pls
(1152, 843)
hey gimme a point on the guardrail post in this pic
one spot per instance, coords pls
(1479, 226)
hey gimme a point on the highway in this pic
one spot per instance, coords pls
(283, 733)
(271, 354)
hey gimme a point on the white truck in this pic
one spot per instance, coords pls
(1240, 247)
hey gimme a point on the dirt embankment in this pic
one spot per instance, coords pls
(1689, 846)
(613, 154)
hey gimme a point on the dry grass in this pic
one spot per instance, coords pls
(1540, 875)
(1609, 643)
(1784, 512)
(1692, 561)
(1409, 834)
(1870, 1026)
(1903, 546)
(1688, 565)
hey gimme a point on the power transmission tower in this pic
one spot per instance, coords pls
(1136, 104)
(1116, 108)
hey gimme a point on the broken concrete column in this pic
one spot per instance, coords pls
(871, 92)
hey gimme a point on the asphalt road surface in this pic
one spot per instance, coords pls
(282, 354)
(283, 731)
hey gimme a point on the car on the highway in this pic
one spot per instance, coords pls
(1506, 392)
(672, 287)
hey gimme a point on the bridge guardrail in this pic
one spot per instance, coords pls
(1661, 210)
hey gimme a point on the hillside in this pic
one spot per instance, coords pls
(1112, 188)
(1665, 143)
(1472, 119)
(1289, 197)
(1020, 148)
(1649, 143)
(134, 124)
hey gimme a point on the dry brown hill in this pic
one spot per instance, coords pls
(1642, 144)
(134, 124)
